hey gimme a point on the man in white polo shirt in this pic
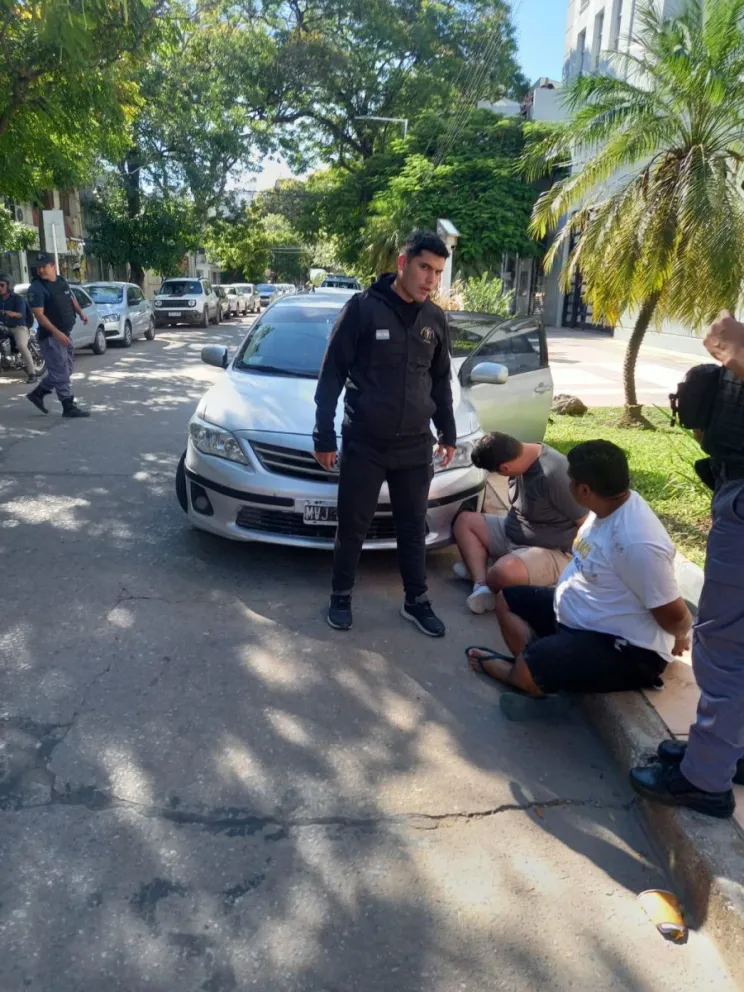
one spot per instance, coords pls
(616, 617)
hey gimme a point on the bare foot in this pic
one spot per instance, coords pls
(490, 663)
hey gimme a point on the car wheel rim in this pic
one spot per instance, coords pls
(100, 339)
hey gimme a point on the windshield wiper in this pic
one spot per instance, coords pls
(275, 370)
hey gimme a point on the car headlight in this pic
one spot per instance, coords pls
(158, 303)
(111, 318)
(463, 457)
(211, 440)
(192, 303)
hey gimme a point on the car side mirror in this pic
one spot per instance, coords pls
(214, 354)
(489, 372)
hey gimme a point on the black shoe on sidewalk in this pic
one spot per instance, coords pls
(31, 377)
(339, 612)
(37, 398)
(672, 752)
(424, 617)
(667, 785)
(71, 409)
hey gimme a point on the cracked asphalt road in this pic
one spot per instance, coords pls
(203, 788)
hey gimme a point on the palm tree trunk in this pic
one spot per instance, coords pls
(632, 415)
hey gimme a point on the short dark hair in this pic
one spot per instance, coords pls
(493, 450)
(602, 466)
(420, 241)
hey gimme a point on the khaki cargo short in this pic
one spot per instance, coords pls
(544, 565)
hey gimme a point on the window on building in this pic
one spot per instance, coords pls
(597, 39)
(616, 24)
(581, 50)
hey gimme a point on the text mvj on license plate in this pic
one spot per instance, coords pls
(319, 512)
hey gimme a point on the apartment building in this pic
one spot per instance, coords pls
(594, 30)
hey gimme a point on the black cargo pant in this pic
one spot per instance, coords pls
(407, 467)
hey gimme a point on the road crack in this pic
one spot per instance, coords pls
(239, 822)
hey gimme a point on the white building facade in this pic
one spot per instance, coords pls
(595, 28)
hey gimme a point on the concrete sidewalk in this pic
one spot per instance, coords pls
(589, 364)
(704, 856)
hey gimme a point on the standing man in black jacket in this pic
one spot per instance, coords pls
(390, 348)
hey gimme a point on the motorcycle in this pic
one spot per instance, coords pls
(11, 360)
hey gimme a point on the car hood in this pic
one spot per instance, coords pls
(247, 401)
(104, 308)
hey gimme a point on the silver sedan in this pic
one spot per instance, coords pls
(248, 472)
(125, 312)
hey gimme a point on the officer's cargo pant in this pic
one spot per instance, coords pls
(60, 360)
(364, 467)
(717, 738)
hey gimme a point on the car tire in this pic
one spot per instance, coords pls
(181, 493)
(205, 317)
(99, 342)
(126, 341)
(150, 332)
(218, 317)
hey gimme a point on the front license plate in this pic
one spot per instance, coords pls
(318, 512)
(174, 313)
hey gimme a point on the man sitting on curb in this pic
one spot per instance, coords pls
(616, 617)
(531, 544)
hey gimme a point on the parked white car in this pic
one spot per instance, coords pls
(249, 296)
(249, 473)
(125, 312)
(186, 301)
(91, 335)
(238, 304)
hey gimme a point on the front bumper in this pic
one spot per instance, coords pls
(251, 504)
(165, 318)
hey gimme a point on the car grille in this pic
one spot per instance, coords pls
(291, 461)
(180, 304)
(292, 525)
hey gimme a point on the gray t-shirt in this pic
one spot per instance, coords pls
(543, 513)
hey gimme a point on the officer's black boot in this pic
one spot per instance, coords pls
(71, 409)
(37, 398)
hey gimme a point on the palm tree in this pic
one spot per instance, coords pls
(659, 211)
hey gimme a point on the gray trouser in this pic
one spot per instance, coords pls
(21, 336)
(717, 737)
(60, 360)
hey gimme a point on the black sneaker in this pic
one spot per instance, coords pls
(672, 752)
(37, 398)
(667, 785)
(31, 377)
(424, 617)
(339, 613)
(71, 409)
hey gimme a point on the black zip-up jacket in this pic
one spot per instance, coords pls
(394, 359)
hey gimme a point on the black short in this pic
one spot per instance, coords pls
(562, 659)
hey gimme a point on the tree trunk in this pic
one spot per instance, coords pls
(632, 415)
(130, 171)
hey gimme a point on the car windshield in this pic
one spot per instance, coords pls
(341, 283)
(106, 294)
(290, 341)
(266, 287)
(180, 287)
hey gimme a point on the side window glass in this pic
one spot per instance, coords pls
(518, 352)
(131, 297)
(80, 296)
(207, 288)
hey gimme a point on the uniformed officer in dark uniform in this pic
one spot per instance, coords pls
(390, 348)
(55, 306)
(699, 773)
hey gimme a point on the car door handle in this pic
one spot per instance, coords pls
(542, 388)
